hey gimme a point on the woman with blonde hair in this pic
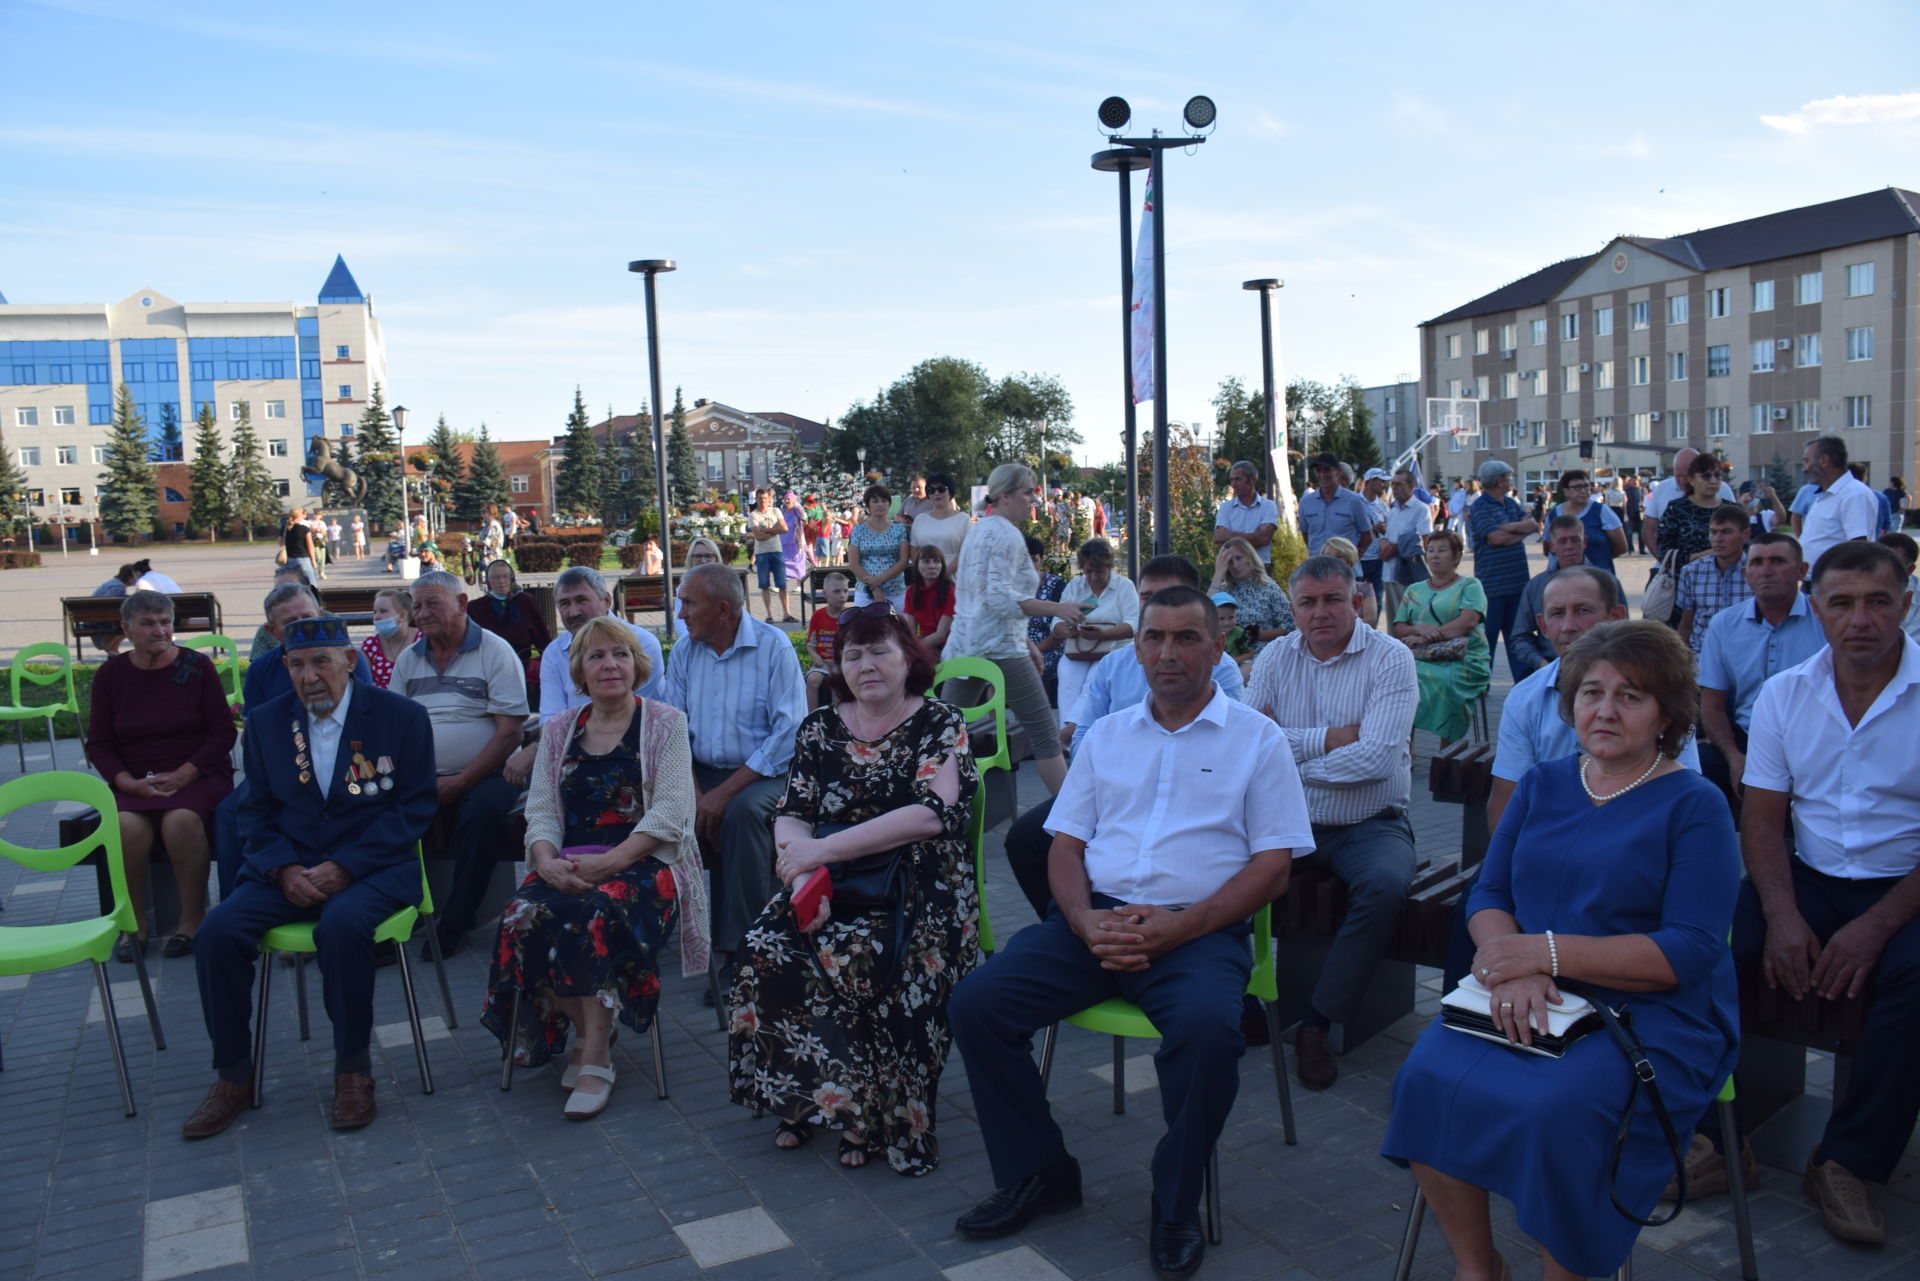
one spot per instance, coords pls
(1264, 611)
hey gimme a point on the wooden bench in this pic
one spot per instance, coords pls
(90, 616)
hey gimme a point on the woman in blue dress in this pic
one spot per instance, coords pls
(1637, 918)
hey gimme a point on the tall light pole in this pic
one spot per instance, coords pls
(1199, 113)
(399, 415)
(652, 267)
(1125, 161)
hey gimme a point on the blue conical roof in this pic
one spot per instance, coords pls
(341, 286)
(3, 300)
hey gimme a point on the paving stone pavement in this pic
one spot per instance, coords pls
(473, 1182)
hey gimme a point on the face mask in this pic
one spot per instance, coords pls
(386, 626)
(499, 596)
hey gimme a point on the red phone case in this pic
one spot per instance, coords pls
(817, 888)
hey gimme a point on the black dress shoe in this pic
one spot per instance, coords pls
(1053, 1189)
(1175, 1249)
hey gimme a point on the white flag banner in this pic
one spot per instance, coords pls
(1144, 306)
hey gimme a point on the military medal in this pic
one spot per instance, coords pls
(300, 760)
(385, 767)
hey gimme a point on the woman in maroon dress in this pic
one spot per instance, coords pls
(161, 733)
(514, 616)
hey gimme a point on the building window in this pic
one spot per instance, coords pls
(1806, 416)
(1516, 435)
(29, 455)
(312, 409)
(1763, 356)
(1480, 392)
(173, 495)
(236, 369)
(70, 495)
(1605, 432)
(98, 374)
(1509, 336)
(99, 454)
(1719, 303)
(346, 429)
(1719, 362)
(1602, 375)
(1509, 386)
(273, 369)
(1762, 419)
(1676, 424)
(309, 367)
(1569, 431)
(1637, 315)
(1677, 309)
(1569, 326)
(1453, 444)
(277, 448)
(99, 415)
(1393, 430)
(716, 465)
(1452, 342)
(66, 455)
(1539, 433)
(281, 489)
(1717, 419)
(1539, 334)
(1539, 382)
(133, 372)
(1807, 288)
(1676, 366)
(36, 498)
(1806, 350)
(1569, 378)
(1482, 341)
(201, 371)
(26, 416)
(1860, 343)
(346, 392)
(519, 484)
(1640, 370)
(1602, 321)
(234, 408)
(1859, 279)
(1763, 295)
(166, 371)
(339, 353)
(59, 374)
(276, 409)
(1859, 412)
(63, 415)
(1640, 427)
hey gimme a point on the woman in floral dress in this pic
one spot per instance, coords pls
(610, 838)
(844, 1023)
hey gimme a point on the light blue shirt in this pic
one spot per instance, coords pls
(1246, 518)
(1531, 730)
(1743, 651)
(557, 692)
(743, 704)
(1346, 515)
(1118, 682)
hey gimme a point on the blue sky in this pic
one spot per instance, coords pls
(850, 189)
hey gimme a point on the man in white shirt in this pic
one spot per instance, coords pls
(1843, 509)
(1178, 819)
(1246, 514)
(1832, 747)
(1344, 695)
(1409, 521)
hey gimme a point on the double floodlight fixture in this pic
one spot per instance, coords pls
(1199, 114)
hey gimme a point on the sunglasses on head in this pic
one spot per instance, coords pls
(875, 609)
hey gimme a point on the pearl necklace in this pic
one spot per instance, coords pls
(1598, 799)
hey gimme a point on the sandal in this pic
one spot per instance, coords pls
(178, 945)
(582, 1106)
(799, 1131)
(850, 1149)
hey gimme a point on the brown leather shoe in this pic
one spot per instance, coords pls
(1845, 1205)
(1313, 1060)
(353, 1101)
(222, 1106)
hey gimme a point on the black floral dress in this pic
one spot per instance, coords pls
(602, 943)
(824, 1029)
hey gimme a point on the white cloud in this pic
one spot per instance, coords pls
(1863, 109)
(1636, 148)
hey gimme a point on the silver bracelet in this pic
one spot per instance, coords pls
(1553, 955)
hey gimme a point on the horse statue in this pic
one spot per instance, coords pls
(322, 465)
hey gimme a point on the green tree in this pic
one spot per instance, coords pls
(642, 487)
(1029, 419)
(15, 516)
(946, 414)
(127, 487)
(209, 508)
(683, 475)
(577, 486)
(449, 468)
(485, 481)
(615, 503)
(380, 462)
(1357, 443)
(251, 496)
(1240, 422)
(166, 445)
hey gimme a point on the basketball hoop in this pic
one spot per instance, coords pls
(1453, 416)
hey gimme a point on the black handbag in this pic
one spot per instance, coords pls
(874, 884)
(1621, 1028)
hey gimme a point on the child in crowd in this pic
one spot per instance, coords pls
(1239, 644)
(822, 635)
(930, 599)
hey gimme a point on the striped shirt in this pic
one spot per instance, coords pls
(1371, 684)
(743, 704)
(1502, 571)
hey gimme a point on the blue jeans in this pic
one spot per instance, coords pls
(1502, 613)
(774, 565)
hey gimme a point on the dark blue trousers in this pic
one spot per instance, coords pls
(228, 855)
(229, 944)
(1502, 613)
(481, 841)
(1193, 995)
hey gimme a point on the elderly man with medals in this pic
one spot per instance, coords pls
(340, 789)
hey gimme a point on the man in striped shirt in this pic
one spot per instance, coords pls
(739, 683)
(1344, 695)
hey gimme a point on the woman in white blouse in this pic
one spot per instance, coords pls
(942, 525)
(1109, 625)
(996, 583)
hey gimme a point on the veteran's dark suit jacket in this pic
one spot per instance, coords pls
(370, 835)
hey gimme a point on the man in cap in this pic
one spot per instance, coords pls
(1498, 527)
(340, 789)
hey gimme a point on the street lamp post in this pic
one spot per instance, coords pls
(1265, 289)
(651, 268)
(93, 538)
(399, 415)
(1125, 161)
(861, 454)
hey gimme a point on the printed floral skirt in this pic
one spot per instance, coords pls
(602, 944)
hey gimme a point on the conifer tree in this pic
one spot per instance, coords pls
(380, 462)
(166, 446)
(15, 516)
(577, 487)
(449, 468)
(683, 477)
(644, 483)
(127, 487)
(251, 497)
(209, 508)
(486, 480)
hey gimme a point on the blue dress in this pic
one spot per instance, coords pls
(1662, 861)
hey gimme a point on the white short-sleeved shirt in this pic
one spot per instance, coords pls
(1856, 795)
(1843, 510)
(1170, 817)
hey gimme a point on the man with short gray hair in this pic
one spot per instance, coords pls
(1344, 695)
(1246, 514)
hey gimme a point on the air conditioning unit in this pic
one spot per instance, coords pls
(1507, 353)
(1783, 344)
(1654, 416)
(1585, 367)
(1521, 423)
(1779, 414)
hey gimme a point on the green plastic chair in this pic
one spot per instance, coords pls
(46, 653)
(980, 669)
(37, 949)
(228, 666)
(296, 937)
(1121, 1019)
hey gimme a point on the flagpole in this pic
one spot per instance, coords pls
(1162, 498)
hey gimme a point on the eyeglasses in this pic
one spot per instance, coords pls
(938, 489)
(874, 609)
